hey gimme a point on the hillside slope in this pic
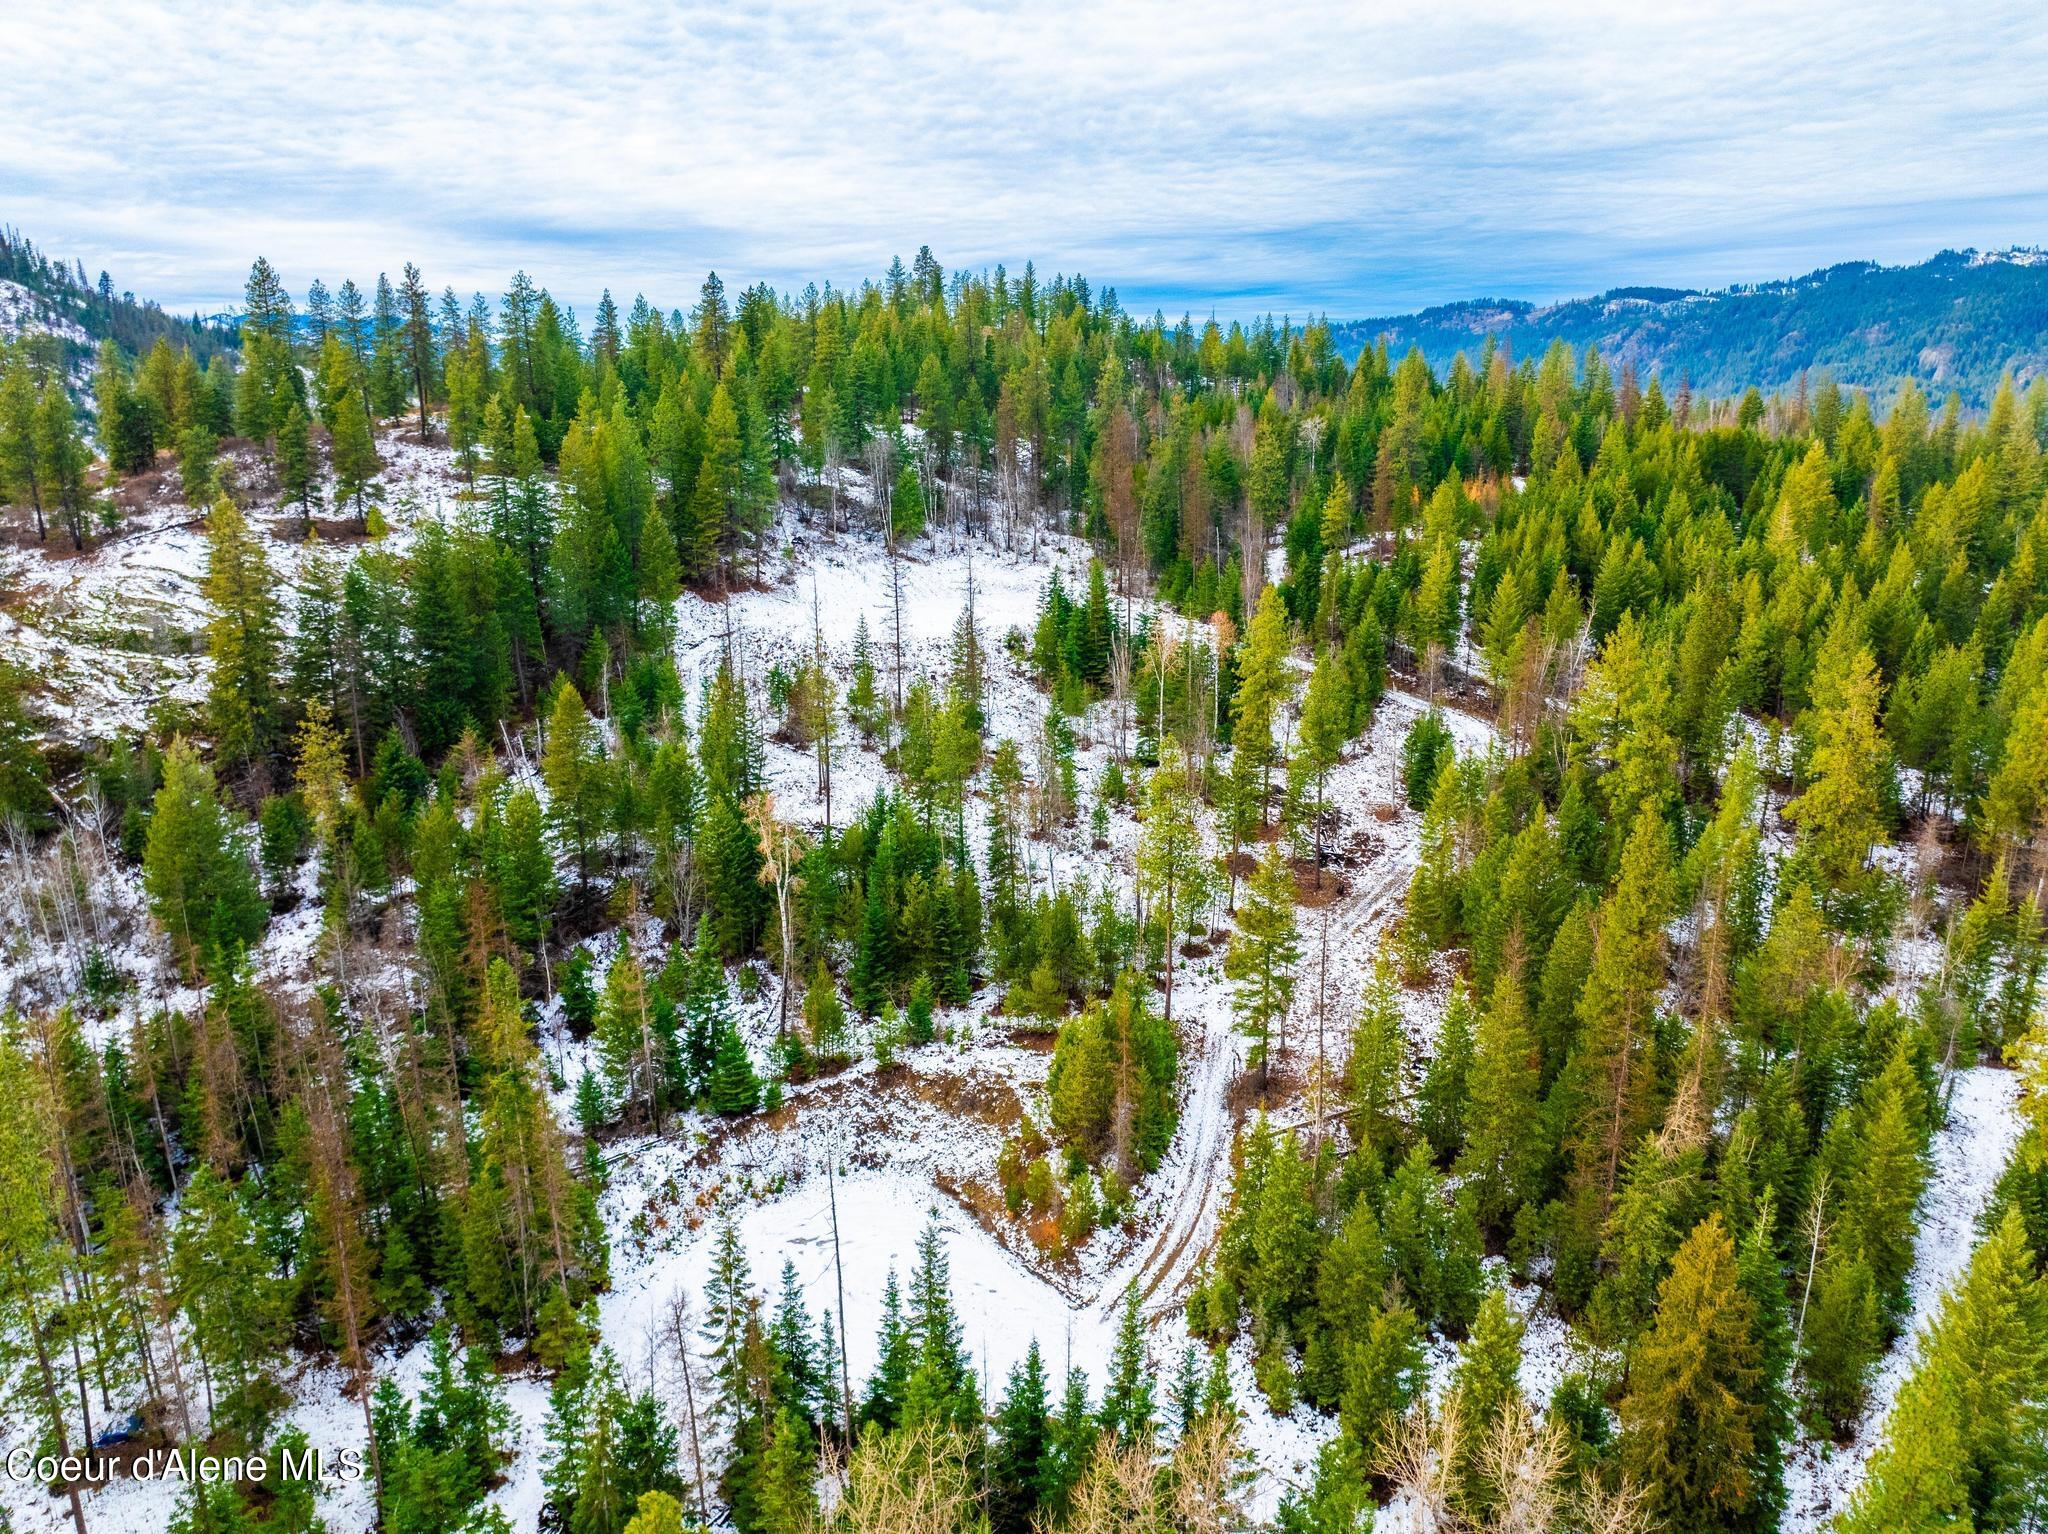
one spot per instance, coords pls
(42, 295)
(1956, 321)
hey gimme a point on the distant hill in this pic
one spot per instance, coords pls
(1954, 322)
(42, 295)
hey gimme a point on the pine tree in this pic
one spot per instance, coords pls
(21, 466)
(242, 639)
(62, 459)
(1020, 1458)
(1184, 1393)
(1917, 1477)
(1351, 1287)
(715, 501)
(1074, 1434)
(1884, 1166)
(602, 1502)
(1842, 1340)
(1326, 714)
(1504, 1142)
(1261, 684)
(1763, 1280)
(941, 1388)
(1284, 1237)
(896, 1350)
(1172, 869)
(1111, 1084)
(198, 466)
(785, 1494)
(1658, 1204)
(627, 1037)
(1446, 1084)
(1377, 1069)
(523, 1207)
(732, 1086)
(1261, 958)
(1611, 1080)
(572, 766)
(1840, 814)
(298, 483)
(1689, 1418)
(706, 1009)
(126, 431)
(196, 871)
(1623, 716)
(660, 583)
(1383, 1374)
(1487, 1386)
(1338, 1500)
(657, 1513)
(235, 1304)
(526, 871)
(31, 1252)
(1128, 1410)
(355, 457)
(1988, 1349)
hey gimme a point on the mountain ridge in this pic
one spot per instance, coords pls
(1958, 320)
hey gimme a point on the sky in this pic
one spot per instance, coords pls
(1354, 160)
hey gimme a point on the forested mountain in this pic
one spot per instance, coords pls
(941, 907)
(1956, 322)
(41, 295)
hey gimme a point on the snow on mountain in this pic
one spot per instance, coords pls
(23, 312)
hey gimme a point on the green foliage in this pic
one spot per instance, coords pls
(1691, 1416)
(1425, 750)
(196, 869)
(1262, 956)
(1112, 1080)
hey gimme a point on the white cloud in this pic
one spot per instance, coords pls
(1355, 160)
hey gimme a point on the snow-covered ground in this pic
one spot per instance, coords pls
(116, 633)
(1969, 1154)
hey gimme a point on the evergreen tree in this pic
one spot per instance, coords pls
(242, 639)
(786, 1497)
(1261, 958)
(297, 478)
(1610, 1083)
(1690, 1419)
(1377, 1069)
(1172, 869)
(732, 1086)
(1977, 1385)
(1128, 1409)
(573, 767)
(355, 457)
(1504, 1142)
(1261, 684)
(941, 1387)
(196, 869)
(1840, 814)
(883, 1400)
(1020, 1459)
(236, 1306)
(1441, 1104)
(1763, 1280)
(1487, 1386)
(1383, 1374)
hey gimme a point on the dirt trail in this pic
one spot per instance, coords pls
(1163, 1269)
(1173, 1252)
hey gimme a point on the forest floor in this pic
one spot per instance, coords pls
(116, 636)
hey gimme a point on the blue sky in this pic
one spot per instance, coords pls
(1353, 160)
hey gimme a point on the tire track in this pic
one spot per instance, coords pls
(1163, 1271)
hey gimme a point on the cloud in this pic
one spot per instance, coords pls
(1285, 155)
